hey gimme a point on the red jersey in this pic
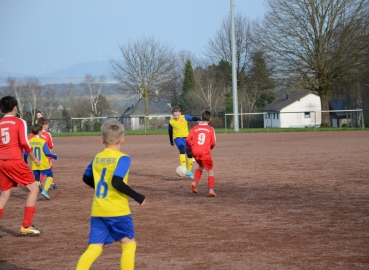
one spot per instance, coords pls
(200, 141)
(46, 136)
(13, 138)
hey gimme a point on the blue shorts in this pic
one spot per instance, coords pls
(180, 141)
(106, 230)
(47, 173)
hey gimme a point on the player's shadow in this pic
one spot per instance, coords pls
(9, 266)
(13, 233)
(157, 176)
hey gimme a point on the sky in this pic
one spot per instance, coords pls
(42, 36)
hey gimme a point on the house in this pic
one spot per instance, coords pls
(294, 110)
(337, 118)
(160, 112)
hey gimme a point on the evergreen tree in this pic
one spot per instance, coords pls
(188, 86)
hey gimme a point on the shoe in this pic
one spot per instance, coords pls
(53, 186)
(194, 187)
(212, 193)
(1, 236)
(190, 175)
(31, 230)
(45, 194)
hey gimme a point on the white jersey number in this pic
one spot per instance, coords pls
(201, 138)
(5, 138)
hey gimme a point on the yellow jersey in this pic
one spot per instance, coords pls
(179, 127)
(40, 150)
(108, 201)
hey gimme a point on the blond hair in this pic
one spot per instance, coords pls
(112, 132)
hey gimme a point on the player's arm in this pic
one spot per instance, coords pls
(192, 118)
(22, 135)
(48, 153)
(88, 177)
(170, 133)
(117, 181)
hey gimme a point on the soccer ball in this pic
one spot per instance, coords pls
(181, 171)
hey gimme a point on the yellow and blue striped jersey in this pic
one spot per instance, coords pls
(108, 201)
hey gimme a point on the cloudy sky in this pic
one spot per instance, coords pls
(41, 36)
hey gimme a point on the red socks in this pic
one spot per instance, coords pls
(29, 212)
(211, 180)
(1, 212)
(198, 174)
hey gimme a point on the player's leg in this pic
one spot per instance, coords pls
(49, 179)
(208, 165)
(127, 260)
(53, 185)
(189, 160)
(99, 235)
(86, 260)
(29, 211)
(4, 197)
(197, 176)
(181, 145)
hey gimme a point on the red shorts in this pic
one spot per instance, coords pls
(207, 164)
(13, 173)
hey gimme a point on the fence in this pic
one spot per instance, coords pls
(309, 119)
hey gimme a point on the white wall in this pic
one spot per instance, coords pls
(289, 117)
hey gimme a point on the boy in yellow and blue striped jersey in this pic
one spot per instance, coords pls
(111, 218)
(42, 152)
(178, 132)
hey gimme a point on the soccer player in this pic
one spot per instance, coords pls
(38, 116)
(111, 218)
(178, 131)
(44, 122)
(200, 141)
(13, 170)
(42, 152)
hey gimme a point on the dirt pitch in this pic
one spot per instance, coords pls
(285, 201)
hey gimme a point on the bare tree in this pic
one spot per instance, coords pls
(144, 67)
(219, 49)
(49, 102)
(16, 89)
(94, 91)
(315, 42)
(33, 95)
(208, 89)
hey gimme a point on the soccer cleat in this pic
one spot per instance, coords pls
(194, 187)
(212, 193)
(31, 230)
(53, 186)
(45, 194)
(1, 236)
(190, 175)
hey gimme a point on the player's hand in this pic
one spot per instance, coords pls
(143, 203)
(56, 157)
(37, 161)
(172, 143)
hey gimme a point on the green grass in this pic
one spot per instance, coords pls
(217, 130)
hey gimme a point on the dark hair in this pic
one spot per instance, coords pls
(36, 129)
(43, 121)
(38, 112)
(176, 109)
(206, 116)
(8, 103)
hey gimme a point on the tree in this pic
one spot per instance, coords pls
(16, 89)
(317, 43)
(33, 96)
(94, 91)
(144, 67)
(188, 86)
(219, 49)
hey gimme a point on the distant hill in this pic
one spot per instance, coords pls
(72, 74)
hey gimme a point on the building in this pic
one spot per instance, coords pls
(160, 112)
(294, 110)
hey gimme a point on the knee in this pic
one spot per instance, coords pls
(182, 149)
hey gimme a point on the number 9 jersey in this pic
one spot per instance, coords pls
(200, 141)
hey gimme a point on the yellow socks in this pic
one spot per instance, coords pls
(189, 164)
(89, 256)
(127, 261)
(182, 159)
(48, 183)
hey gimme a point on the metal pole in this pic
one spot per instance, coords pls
(234, 75)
